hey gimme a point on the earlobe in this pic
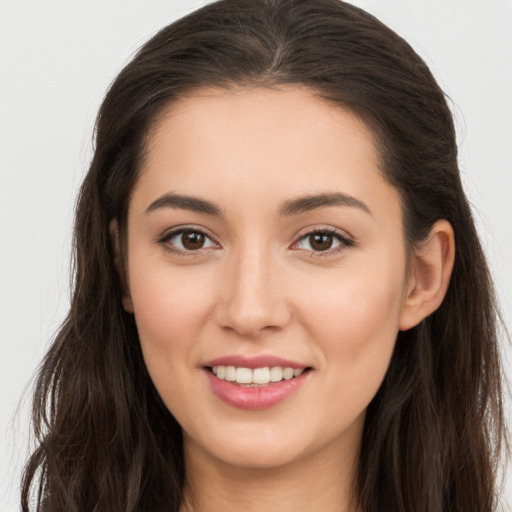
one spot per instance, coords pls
(120, 265)
(430, 276)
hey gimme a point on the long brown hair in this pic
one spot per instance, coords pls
(433, 433)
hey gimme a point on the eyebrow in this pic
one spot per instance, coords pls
(182, 202)
(292, 207)
(313, 202)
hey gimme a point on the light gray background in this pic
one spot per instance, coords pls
(57, 59)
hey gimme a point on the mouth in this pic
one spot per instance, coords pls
(256, 377)
(255, 382)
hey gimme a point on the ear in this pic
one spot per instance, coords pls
(432, 267)
(119, 262)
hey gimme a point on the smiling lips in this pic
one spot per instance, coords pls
(258, 376)
(254, 383)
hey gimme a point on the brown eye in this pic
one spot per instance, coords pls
(184, 241)
(320, 241)
(323, 241)
(192, 240)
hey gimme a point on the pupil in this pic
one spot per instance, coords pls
(192, 240)
(320, 242)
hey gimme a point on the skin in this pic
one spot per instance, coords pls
(257, 286)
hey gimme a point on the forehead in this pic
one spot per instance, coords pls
(257, 112)
(260, 143)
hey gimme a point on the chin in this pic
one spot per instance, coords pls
(252, 447)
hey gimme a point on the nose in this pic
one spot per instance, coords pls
(253, 296)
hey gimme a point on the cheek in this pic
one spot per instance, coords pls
(169, 309)
(355, 325)
(167, 304)
(356, 303)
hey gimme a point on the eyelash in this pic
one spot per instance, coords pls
(344, 242)
(164, 240)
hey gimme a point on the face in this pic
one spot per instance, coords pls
(265, 246)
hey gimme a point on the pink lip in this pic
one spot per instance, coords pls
(254, 398)
(254, 362)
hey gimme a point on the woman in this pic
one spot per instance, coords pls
(280, 299)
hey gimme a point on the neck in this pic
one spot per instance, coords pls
(323, 481)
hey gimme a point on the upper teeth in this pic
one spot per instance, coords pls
(256, 376)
